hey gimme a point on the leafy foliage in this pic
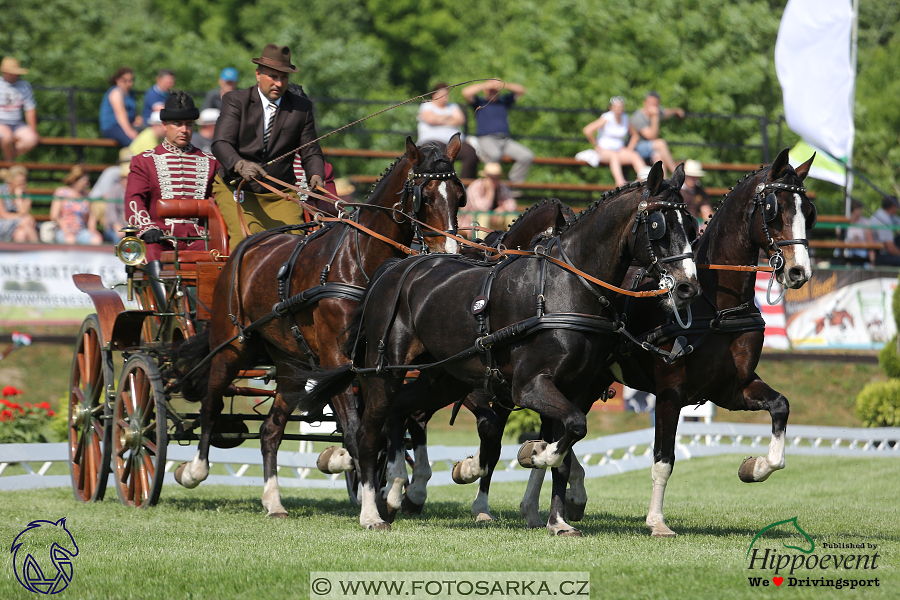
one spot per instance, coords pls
(878, 404)
(707, 56)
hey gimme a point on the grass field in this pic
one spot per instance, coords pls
(214, 542)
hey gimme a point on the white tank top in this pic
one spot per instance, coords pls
(612, 136)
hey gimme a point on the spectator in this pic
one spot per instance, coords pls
(607, 136)
(149, 138)
(119, 120)
(227, 82)
(16, 222)
(206, 129)
(439, 120)
(488, 195)
(883, 219)
(75, 222)
(647, 142)
(855, 233)
(155, 97)
(110, 177)
(492, 125)
(18, 113)
(695, 197)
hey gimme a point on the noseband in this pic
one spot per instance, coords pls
(412, 188)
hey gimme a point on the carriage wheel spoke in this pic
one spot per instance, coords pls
(79, 395)
(132, 482)
(79, 447)
(151, 447)
(145, 484)
(126, 468)
(88, 469)
(97, 461)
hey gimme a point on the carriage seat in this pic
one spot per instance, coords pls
(215, 226)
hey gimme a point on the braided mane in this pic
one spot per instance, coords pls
(544, 201)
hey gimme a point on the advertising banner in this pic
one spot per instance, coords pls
(36, 282)
(842, 310)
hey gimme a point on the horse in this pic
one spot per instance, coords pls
(716, 358)
(419, 400)
(538, 340)
(330, 268)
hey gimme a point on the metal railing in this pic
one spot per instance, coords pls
(603, 456)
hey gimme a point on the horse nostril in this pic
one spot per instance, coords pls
(685, 290)
(796, 274)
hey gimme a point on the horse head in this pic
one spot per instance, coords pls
(662, 234)
(436, 193)
(785, 216)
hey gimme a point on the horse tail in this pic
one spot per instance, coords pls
(192, 384)
(329, 384)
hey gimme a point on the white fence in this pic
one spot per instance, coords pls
(601, 456)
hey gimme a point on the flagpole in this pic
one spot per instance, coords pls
(854, 38)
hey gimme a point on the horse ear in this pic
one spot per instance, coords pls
(453, 146)
(677, 178)
(412, 151)
(781, 162)
(655, 178)
(803, 170)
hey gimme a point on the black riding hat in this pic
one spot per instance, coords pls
(179, 107)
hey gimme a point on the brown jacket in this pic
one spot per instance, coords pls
(239, 135)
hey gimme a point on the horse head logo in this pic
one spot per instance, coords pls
(34, 569)
(793, 521)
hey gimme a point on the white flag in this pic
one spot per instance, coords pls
(812, 60)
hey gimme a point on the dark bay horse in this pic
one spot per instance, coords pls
(769, 211)
(528, 327)
(330, 268)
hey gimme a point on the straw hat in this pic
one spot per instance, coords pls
(11, 66)
(343, 187)
(124, 162)
(491, 169)
(693, 168)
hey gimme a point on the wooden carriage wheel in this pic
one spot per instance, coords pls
(139, 434)
(89, 433)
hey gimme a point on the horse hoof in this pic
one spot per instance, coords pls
(277, 515)
(387, 512)
(457, 474)
(324, 457)
(484, 518)
(569, 533)
(410, 508)
(528, 451)
(574, 511)
(379, 527)
(745, 472)
(178, 471)
(667, 533)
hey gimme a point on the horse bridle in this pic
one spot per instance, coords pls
(412, 188)
(767, 204)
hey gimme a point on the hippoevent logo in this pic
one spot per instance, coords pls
(805, 567)
(42, 556)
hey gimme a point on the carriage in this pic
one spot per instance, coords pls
(123, 424)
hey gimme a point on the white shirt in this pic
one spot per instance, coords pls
(612, 136)
(436, 133)
(268, 112)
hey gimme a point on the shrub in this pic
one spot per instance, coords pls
(25, 422)
(888, 359)
(878, 404)
(522, 421)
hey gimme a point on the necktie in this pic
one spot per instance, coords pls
(271, 121)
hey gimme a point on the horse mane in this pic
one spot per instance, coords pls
(436, 161)
(568, 212)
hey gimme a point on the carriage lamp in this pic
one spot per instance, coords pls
(131, 250)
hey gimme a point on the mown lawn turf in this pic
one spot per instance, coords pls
(215, 542)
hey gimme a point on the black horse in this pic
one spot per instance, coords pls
(769, 211)
(528, 328)
(289, 298)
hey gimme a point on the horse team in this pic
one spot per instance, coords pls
(534, 321)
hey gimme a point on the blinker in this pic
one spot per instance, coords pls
(657, 226)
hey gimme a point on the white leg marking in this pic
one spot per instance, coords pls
(368, 514)
(340, 461)
(417, 491)
(773, 461)
(396, 479)
(528, 508)
(659, 474)
(480, 508)
(271, 498)
(548, 457)
(194, 472)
